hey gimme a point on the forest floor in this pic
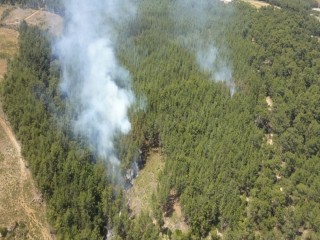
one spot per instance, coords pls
(22, 209)
(145, 185)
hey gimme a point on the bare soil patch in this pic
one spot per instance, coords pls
(269, 102)
(145, 185)
(8, 43)
(4, 8)
(139, 196)
(18, 212)
(3, 68)
(16, 15)
(177, 220)
(257, 4)
(45, 20)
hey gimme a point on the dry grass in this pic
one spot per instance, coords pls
(3, 8)
(48, 21)
(17, 14)
(8, 47)
(176, 221)
(8, 43)
(257, 4)
(145, 185)
(139, 196)
(45, 20)
(17, 191)
(3, 68)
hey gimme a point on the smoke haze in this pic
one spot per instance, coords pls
(97, 87)
(198, 23)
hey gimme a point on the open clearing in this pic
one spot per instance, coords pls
(8, 42)
(145, 185)
(3, 68)
(45, 20)
(139, 196)
(257, 4)
(49, 21)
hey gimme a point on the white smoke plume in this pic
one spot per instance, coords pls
(197, 26)
(97, 87)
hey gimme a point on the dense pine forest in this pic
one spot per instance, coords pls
(52, 5)
(219, 160)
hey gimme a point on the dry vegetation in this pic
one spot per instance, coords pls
(145, 185)
(46, 20)
(139, 196)
(16, 15)
(176, 220)
(22, 211)
(8, 43)
(257, 4)
(3, 68)
(49, 21)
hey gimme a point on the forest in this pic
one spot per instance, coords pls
(218, 160)
(295, 5)
(52, 5)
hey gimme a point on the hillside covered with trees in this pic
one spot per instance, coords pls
(219, 161)
(52, 5)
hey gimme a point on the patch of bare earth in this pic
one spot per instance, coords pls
(269, 136)
(259, 4)
(45, 20)
(22, 210)
(139, 196)
(3, 68)
(145, 185)
(8, 42)
(16, 15)
(176, 220)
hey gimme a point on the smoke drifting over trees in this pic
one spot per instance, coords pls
(198, 24)
(97, 86)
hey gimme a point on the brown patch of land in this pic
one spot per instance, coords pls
(176, 221)
(22, 210)
(45, 20)
(257, 4)
(16, 15)
(139, 196)
(4, 8)
(3, 68)
(8, 48)
(8, 43)
(48, 21)
(145, 185)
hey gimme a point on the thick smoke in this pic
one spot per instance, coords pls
(97, 87)
(199, 25)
